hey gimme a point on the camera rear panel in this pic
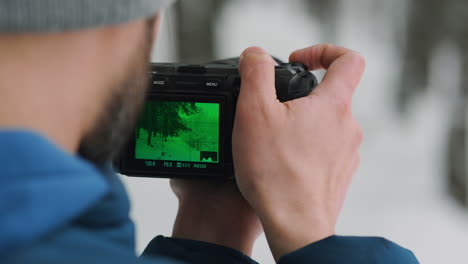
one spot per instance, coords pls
(185, 128)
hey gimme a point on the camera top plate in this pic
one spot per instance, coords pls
(292, 80)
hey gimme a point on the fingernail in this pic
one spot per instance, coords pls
(252, 50)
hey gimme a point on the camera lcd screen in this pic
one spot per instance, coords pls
(178, 134)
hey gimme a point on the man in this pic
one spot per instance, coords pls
(72, 80)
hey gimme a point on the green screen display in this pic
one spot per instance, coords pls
(178, 131)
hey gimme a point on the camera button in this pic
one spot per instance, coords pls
(160, 82)
(212, 84)
(192, 69)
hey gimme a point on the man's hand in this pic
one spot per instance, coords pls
(215, 212)
(294, 161)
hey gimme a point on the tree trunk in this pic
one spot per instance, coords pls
(149, 139)
(195, 29)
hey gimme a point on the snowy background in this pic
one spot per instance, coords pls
(400, 190)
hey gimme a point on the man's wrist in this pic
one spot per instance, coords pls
(287, 232)
(197, 220)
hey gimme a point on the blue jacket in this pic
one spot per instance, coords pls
(58, 208)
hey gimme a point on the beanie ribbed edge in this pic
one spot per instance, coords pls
(65, 15)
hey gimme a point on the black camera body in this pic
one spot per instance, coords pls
(185, 128)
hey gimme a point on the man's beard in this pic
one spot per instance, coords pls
(118, 118)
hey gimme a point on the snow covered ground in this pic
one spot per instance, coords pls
(399, 191)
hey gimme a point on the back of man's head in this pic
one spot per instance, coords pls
(75, 70)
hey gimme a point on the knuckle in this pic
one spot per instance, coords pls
(359, 135)
(339, 102)
(357, 161)
(342, 105)
(358, 59)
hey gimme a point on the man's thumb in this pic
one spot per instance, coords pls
(257, 70)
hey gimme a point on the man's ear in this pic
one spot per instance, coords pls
(157, 23)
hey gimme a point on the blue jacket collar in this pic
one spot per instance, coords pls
(42, 187)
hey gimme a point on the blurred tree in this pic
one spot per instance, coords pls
(327, 13)
(431, 21)
(165, 119)
(195, 28)
(196, 20)
(425, 30)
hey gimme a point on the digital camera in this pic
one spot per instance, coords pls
(185, 127)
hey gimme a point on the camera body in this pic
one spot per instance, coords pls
(185, 128)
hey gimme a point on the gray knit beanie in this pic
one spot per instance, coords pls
(64, 15)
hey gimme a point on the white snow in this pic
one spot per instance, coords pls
(399, 191)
